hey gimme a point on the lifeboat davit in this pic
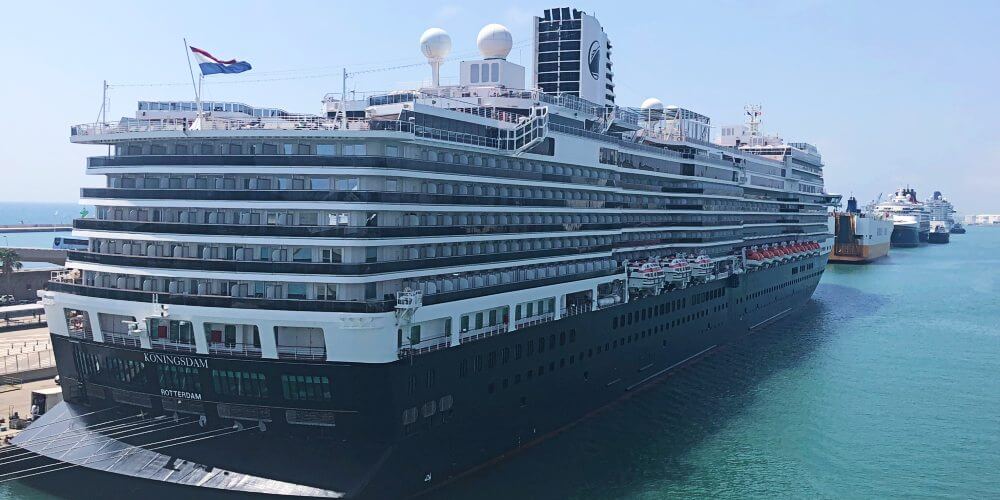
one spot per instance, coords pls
(772, 255)
(678, 272)
(645, 275)
(701, 267)
(783, 253)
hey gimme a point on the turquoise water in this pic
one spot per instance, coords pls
(884, 385)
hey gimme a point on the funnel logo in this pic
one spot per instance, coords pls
(595, 60)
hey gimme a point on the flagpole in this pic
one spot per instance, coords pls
(195, 86)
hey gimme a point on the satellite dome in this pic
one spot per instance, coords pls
(653, 104)
(494, 41)
(435, 43)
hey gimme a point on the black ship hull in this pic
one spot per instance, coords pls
(905, 236)
(939, 238)
(400, 428)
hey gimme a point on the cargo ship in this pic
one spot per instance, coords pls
(860, 237)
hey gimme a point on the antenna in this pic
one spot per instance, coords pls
(102, 115)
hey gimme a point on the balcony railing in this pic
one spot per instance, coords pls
(371, 306)
(292, 122)
(425, 346)
(534, 320)
(325, 268)
(348, 231)
(348, 197)
(298, 160)
(81, 333)
(481, 333)
(125, 340)
(577, 309)
(244, 350)
(299, 352)
(167, 345)
(374, 306)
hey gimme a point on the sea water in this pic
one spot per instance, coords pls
(885, 384)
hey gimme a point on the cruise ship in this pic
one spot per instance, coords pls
(911, 221)
(942, 218)
(376, 299)
(860, 236)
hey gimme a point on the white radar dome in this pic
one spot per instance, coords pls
(494, 41)
(653, 104)
(435, 43)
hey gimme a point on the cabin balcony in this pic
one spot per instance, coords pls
(295, 342)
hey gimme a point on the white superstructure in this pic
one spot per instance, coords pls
(396, 223)
(904, 210)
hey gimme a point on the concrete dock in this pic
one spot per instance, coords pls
(30, 366)
(27, 354)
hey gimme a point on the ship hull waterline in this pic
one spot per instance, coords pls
(905, 236)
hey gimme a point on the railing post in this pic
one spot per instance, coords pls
(456, 330)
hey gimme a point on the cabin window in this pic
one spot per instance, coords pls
(239, 384)
(306, 388)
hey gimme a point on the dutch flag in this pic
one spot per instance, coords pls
(210, 65)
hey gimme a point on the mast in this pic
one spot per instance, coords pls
(753, 122)
(343, 99)
(195, 86)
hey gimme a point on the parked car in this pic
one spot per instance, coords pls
(6, 300)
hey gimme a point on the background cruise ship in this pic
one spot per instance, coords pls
(372, 300)
(942, 218)
(911, 221)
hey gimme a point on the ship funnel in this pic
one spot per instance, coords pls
(852, 205)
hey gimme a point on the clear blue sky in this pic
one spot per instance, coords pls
(891, 92)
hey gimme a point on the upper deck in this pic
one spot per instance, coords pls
(504, 121)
